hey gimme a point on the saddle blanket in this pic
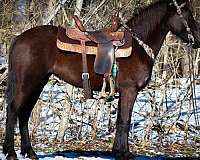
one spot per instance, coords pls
(67, 44)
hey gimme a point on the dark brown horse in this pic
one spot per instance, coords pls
(34, 57)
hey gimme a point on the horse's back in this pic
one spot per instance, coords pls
(40, 36)
(44, 30)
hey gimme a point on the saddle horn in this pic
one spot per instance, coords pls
(79, 23)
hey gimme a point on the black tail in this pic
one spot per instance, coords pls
(11, 81)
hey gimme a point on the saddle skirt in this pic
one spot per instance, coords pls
(66, 42)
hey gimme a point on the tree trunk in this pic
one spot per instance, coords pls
(22, 11)
(78, 8)
(52, 12)
(185, 65)
(65, 116)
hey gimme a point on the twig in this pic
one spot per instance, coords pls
(3, 76)
(54, 12)
(95, 10)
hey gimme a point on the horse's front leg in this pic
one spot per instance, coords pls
(126, 101)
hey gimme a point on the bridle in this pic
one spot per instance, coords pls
(190, 35)
(146, 47)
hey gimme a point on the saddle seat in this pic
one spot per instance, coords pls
(101, 36)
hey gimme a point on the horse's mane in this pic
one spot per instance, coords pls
(147, 18)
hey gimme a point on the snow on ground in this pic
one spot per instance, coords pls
(141, 109)
(2, 157)
(74, 156)
(68, 156)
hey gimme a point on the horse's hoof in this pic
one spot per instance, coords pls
(5, 150)
(30, 154)
(123, 156)
(11, 157)
(33, 157)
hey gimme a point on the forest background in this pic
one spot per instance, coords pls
(168, 123)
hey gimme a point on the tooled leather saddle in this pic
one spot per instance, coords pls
(106, 41)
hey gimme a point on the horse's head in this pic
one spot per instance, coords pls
(182, 22)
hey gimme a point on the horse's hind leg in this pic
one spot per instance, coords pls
(16, 102)
(21, 106)
(24, 115)
(8, 146)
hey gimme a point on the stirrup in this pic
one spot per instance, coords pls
(103, 94)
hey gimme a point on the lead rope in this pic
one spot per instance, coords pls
(146, 47)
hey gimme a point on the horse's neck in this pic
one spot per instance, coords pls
(151, 27)
(156, 39)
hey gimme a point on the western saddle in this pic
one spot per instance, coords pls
(107, 40)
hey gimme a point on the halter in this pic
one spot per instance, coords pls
(190, 36)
